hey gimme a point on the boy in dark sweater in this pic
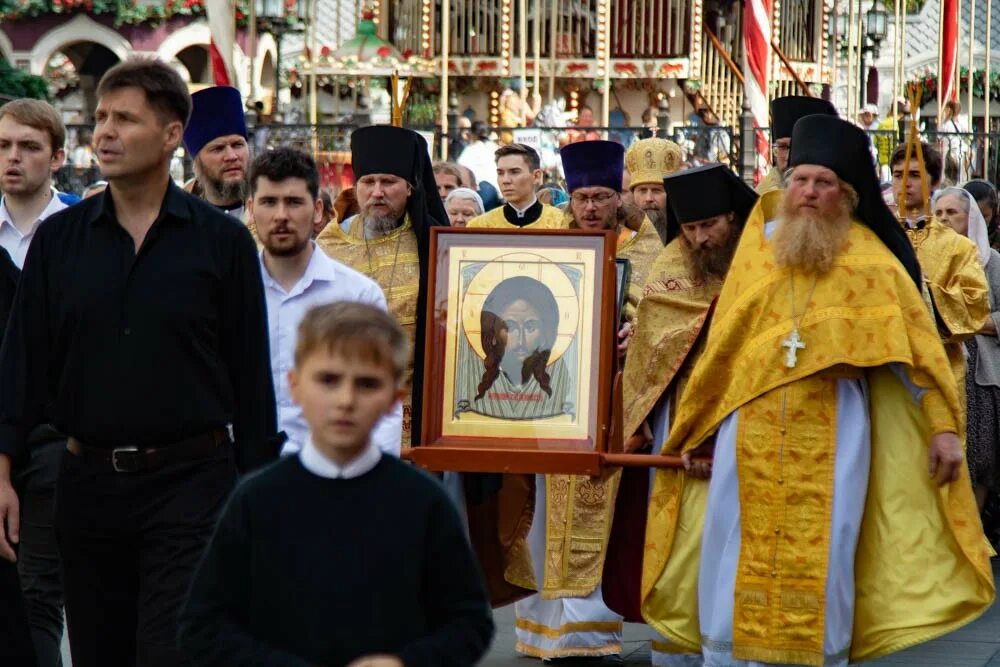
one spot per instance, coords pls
(339, 556)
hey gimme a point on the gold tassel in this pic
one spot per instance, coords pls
(913, 145)
(398, 104)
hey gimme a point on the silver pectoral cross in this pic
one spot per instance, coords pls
(793, 343)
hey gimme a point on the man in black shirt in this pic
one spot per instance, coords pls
(139, 330)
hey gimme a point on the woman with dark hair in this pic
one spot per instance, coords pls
(986, 197)
(518, 327)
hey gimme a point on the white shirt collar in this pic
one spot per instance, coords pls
(522, 211)
(55, 205)
(320, 268)
(315, 462)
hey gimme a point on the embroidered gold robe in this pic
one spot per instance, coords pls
(864, 314)
(392, 262)
(956, 284)
(551, 218)
(580, 508)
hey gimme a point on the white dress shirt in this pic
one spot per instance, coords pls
(318, 464)
(324, 281)
(12, 240)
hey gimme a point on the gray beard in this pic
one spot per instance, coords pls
(379, 225)
(230, 192)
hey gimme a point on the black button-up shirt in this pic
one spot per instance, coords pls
(123, 348)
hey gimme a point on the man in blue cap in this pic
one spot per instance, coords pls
(216, 138)
(568, 618)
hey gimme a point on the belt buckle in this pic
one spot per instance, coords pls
(118, 464)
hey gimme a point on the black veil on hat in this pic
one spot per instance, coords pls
(785, 111)
(384, 149)
(843, 148)
(705, 192)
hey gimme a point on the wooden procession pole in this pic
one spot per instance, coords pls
(445, 58)
(940, 91)
(313, 88)
(836, 49)
(897, 61)
(252, 48)
(852, 80)
(604, 25)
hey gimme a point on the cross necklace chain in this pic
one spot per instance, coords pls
(794, 342)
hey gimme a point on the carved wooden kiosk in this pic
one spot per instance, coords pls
(521, 369)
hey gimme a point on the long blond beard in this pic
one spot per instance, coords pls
(810, 242)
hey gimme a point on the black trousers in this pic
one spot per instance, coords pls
(38, 560)
(129, 544)
(16, 649)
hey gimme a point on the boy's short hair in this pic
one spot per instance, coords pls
(932, 159)
(39, 115)
(358, 330)
(529, 154)
(282, 163)
(165, 90)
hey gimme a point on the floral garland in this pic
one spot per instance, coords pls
(125, 12)
(927, 84)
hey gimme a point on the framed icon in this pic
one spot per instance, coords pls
(519, 350)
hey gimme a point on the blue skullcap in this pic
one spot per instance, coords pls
(591, 163)
(215, 112)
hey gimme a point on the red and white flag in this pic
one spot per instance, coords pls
(756, 69)
(222, 25)
(948, 79)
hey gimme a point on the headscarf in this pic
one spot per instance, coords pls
(976, 230)
(466, 193)
(984, 191)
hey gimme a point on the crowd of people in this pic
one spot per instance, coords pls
(207, 394)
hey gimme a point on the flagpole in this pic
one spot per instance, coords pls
(553, 36)
(897, 55)
(851, 58)
(940, 69)
(252, 48)
(988, 88)
(313, 88)
(537, 46)
(445, 53)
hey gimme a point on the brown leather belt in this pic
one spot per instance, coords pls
(135, 459)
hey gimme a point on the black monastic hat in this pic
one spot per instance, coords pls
(705, 192)
(785, 111)
(384, 149)
(843, 148)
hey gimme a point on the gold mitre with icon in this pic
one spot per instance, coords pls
(650, 160)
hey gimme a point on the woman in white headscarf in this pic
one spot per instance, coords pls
(462, 205)
(957, 208)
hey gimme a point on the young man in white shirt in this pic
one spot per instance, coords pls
(32, 148)
(284, 205)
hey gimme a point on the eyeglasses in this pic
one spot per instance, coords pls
(782, 148)
(598, 199)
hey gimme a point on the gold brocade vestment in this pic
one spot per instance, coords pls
(393, 263)
(922, 563)
(771, 182)
(956, 283)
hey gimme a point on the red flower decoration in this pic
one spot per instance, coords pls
(325, 51)
(408, 53)
(384, 52)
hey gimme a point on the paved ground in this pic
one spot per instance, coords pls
(976, 645)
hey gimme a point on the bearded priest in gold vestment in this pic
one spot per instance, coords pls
(785, 112)
(707, 208)
(954, 278)
(388, 240)
(826, 393)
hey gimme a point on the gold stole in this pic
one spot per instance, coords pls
(868, 307)
(393, 263)
(670, 316)
(641, 251)
(551, 218)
